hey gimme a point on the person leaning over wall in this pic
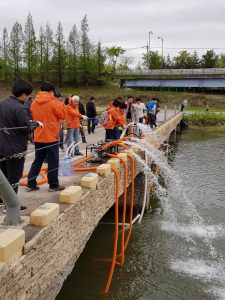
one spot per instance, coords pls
(51, 112)
(14, 141)
(73, 122)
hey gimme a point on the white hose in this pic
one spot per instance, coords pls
(145, 193)
(71, 148)
(125, 129)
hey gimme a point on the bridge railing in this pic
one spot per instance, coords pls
(210, 71)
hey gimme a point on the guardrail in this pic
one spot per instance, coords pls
(211, 71)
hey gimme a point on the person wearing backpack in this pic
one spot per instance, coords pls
(113, 120)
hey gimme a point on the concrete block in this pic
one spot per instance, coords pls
(11, 245)
(89, 181)
(44, 214)
(114, 162)
(128, 151)
(104, 170)
(70, 195)
(122, 155)
(135, 148)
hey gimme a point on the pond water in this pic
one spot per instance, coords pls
(178, 251)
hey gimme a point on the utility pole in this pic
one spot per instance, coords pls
(149, 48)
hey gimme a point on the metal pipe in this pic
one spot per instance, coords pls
(11, 201)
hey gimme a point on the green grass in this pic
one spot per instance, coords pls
(204, 118)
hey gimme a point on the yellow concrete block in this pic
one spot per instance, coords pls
(122, 155)
(134, 148)
(104, 170)
(114, 162)
(70, 195)
(128, 151)
(44, 214)
(11, 245)
(89, 181)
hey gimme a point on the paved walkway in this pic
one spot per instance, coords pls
(33, 200)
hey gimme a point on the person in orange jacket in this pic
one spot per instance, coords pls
(113, 120)
(73, 122)
(51, 112)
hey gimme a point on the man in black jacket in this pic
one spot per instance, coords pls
(82, 111)
(91, 114)
(14, 138)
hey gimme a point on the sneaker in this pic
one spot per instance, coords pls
(32, 189)
(78, 153)
(63, 149)
(56, 189)
(22, 208)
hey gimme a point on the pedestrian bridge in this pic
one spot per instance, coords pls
(173, 78)
(36, 257)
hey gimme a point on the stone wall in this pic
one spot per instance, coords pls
(50, 256)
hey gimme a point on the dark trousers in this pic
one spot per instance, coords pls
(152, 120)
(61, 134)
(13, 170)
(110, 134)
(82, 132)
(51, 150)
(91, 128)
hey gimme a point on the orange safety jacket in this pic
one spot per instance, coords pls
(114, 119)
(73, 116)
(50, 112)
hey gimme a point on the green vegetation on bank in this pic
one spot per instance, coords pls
(205, 118)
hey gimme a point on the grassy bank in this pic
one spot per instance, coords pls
(108, 92)
(206, 119)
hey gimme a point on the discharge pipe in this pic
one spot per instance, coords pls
(11, 201)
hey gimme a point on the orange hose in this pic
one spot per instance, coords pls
(106, 289)
(43, 175)
(124, 206)
(76, 163)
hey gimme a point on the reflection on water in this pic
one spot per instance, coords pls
(178, 251)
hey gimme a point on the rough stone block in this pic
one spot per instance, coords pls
(114, 162)
(70, 195)
(11, 245)
(134, 148)
(122, 155)
(89, 181)
(44, 214)
(104, 170)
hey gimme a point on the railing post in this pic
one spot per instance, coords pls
(175, 110)
(165, 113)
(9, 197)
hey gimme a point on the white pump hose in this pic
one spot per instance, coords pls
(125, 129)
(145, 191)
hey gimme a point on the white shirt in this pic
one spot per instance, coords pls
(139, 111)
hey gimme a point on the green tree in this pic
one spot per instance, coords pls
(152, 61)
(5, 53)
(221, 61)
(195, 61)
(59, 53)
(85, 50)
(183, 60)
(15, 49)
(40, 51)
(209, 60)
(29, 47)
(100, 58)
(73, 46)
(47, 50)
(125, 63)
(113, 54)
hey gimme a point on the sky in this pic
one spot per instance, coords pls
(182, 24)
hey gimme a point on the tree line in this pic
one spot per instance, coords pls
(49, 56)
(184, 60)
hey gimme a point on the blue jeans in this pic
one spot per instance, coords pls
(51, 150)
(71, 136)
